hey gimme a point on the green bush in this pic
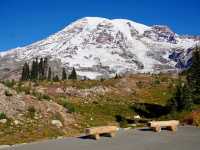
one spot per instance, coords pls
(123, 122)
(8, 93)
(9, 83)
(21, 88)
(2, 115)
(41, 96)
(46, 97)
(69, 106)
(156, 82)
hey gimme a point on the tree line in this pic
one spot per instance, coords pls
(40, 70)
(188, 91)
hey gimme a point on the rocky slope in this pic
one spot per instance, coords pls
(15, 105)
(102, 47)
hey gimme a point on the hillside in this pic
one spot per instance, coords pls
(47, 109)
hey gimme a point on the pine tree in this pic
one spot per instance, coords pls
(45, 69)
(36, 69)
(182, 98)
(41, 69)
(64, 75)
(32, 76)
(49, 74)
(73, 75)
(25, 73)
(187, 102)
(116, 76)
(56, 78)
(193, 76)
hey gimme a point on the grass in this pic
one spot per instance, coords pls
(41, 96)
(96, 114)
(69, 106)
(27, 133)
(158, 94)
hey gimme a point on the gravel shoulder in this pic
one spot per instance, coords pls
(185, 138)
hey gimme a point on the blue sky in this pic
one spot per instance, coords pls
(26, 21)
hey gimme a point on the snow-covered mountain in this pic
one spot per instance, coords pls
(102, 47)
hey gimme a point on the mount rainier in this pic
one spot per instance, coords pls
(99, 47)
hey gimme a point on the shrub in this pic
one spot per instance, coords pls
(123, 122)
(69, 106)
(19, 87)
(8, 93)
(2, 115)
(140, 84)
(46, 97)
(156, 81)
(23, 88)
(148, 110)
(9, 83)
(41, 96)
(31, 111)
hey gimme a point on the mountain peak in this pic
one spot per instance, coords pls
(103, 47)
(121, 23)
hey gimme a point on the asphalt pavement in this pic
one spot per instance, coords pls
(186, 138)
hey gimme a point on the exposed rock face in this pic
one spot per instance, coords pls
(11, 105)
(161, 34)
(9, 68)
(99, 47)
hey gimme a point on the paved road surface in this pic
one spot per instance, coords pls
(187, 138)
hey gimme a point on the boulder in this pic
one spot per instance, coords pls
(57, 123)
(3, 121)
(16, 122)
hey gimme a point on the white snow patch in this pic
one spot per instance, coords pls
(90, 75)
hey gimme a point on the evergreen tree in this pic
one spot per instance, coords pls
(56, 78)
(116, 76)
(193, 76)
(25, 72)
(49, 73)
(182, 98)
(187, 102)
(33, 70)
(41, 69)
(45, 69)
(36, 69)
(64, 75)
(73, 75)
